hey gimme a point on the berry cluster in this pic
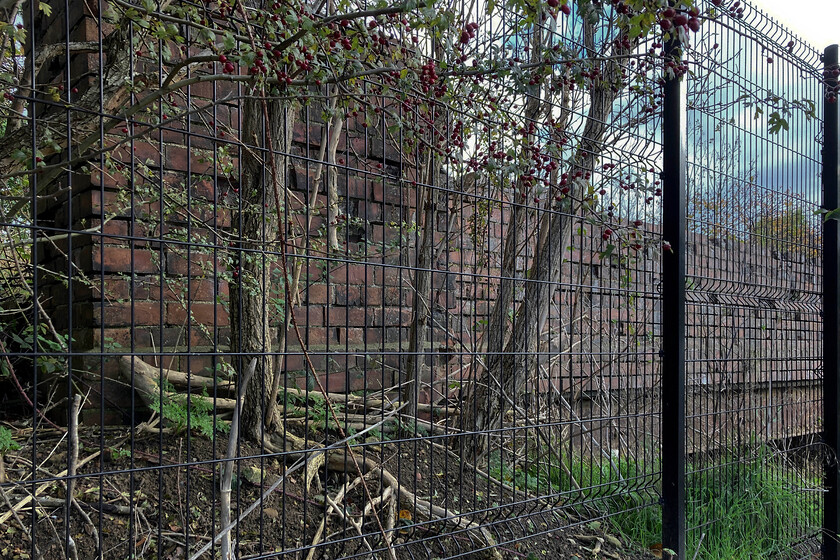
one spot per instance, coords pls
(669, 18)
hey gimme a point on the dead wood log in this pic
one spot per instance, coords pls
(146, 380)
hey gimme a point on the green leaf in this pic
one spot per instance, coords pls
(832, 215)
(606, 253)
(44, 7)
(776, 123)
(6, 442)
(229, 41)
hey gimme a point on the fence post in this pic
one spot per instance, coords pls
(831, 313)
(673, 307)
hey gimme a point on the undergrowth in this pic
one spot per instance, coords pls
(743, 508)
(182, 413)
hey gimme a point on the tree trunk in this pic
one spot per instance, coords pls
(250, 293)
(418, 332)
(500, 386)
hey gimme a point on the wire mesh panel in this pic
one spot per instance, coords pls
(350, 279)
(753, 317)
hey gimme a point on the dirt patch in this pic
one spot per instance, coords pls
(149, 496)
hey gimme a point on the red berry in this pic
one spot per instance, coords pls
(694, 24)
(665, 24)
(553, 3)
(565, 9)
(680, 19)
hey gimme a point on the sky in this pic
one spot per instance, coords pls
(816, 21)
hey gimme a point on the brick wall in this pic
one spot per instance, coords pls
(155, 279)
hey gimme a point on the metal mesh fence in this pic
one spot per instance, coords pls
(754, 294)
(361, 280)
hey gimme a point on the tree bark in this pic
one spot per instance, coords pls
(251, 331)
(501, 384)
(422, 306)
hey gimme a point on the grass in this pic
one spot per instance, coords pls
(756, 508)
(743, 508)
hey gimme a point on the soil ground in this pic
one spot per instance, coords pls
(147, 504)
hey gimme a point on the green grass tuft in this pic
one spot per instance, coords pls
(743, 508)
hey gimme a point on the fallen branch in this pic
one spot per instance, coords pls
(301, 463)
(111, 509)
(227, 466)
(146, 380)
(337, 462)
(43, 487)
(334, 506)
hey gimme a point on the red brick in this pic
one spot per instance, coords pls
(356, 187)
(346, 316)
(348, 295)
(390, 276)
(353, 274)
(176, 338)
(198, 264)
(107, 179)
(190, 288)
(388, 316)
(372, 295)
(302, 134)
(293, 362)
(370, 211)
(318, 294)
(203, 188)
(117, 259)
(317, 336)
(114, 288)
(199, 162)
(119, 314)
(309, 316)
(115, 339)
(396, 296)
(202, 313)
(143, 152)
(351, 336)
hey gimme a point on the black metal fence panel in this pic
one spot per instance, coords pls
(754, 293)
(385, 280)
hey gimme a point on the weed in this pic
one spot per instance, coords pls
(752, 508)
(6, 442)
(120, 453)
(195, 414)
(744, 509)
